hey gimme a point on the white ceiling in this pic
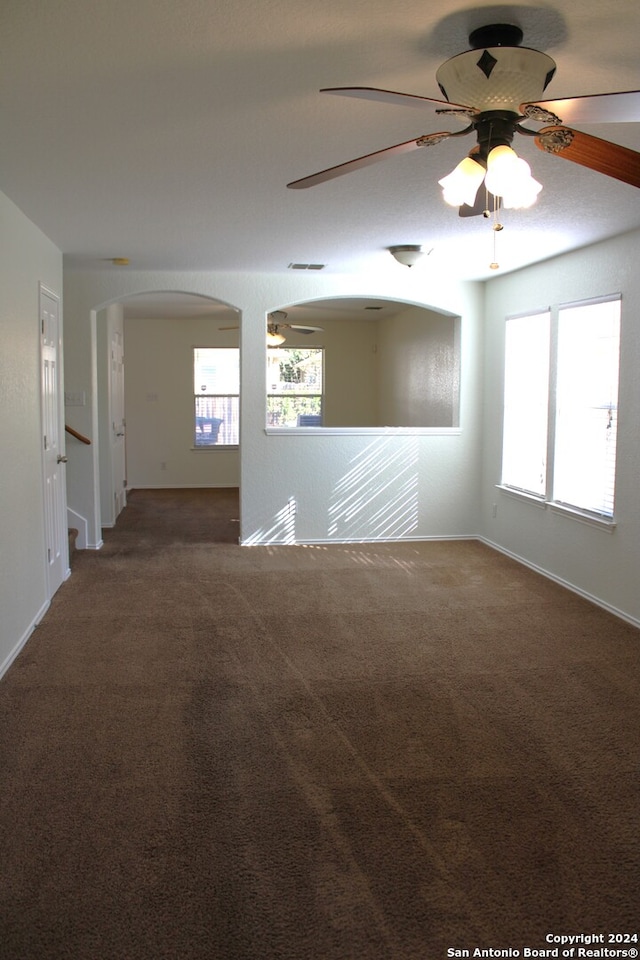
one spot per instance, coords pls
(166, 131)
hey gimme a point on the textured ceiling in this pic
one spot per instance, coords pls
(167, 131)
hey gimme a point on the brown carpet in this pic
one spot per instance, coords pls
(373, 752)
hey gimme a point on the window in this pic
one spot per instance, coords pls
(526, 399)
(294, 386)
(216, 388)
(561, 405)
(587, 406)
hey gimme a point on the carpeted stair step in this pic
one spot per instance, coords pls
(73, 536)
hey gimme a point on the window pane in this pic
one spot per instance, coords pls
(294, 411)
(294, 370)
(217, 421)
(216, 370)
(526, 390)
(587, 406)
(216, 387)
(294, 386)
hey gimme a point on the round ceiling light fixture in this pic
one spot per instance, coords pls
(407, 254)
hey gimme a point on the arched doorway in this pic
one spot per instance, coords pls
(145, 346)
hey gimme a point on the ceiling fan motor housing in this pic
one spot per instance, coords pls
(499, 77)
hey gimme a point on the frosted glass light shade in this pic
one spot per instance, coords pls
(461, 185)
(509, 177)
(517, 75)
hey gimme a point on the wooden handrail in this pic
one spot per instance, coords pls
(78, 436)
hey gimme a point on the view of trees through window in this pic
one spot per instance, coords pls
(294, 386)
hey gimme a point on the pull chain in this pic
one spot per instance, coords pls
(497, 227)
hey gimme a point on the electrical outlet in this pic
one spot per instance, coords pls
(494, 510)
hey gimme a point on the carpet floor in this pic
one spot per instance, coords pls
(347, 752)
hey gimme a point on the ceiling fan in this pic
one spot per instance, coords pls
(275, 325)
(494, 87)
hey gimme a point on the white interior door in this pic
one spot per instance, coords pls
(54, 459)
(117, 420)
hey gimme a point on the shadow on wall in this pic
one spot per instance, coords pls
(376, 499)
(282, 529)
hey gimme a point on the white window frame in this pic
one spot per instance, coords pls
(228, 424)
(526, 403)
(603, 518)
(303, 394)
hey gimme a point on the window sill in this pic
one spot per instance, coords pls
(522, 495)
(573, 513)
(604, 523)
(214, 447)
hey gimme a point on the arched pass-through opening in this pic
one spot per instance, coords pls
(384, 364)
(147, 398)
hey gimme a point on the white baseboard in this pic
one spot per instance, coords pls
(183, 486)
(563, 583)
(4, 666)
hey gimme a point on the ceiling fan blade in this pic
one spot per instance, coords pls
(302, 328)
(401, 99)
(596, 108)
(228, 328)
(600, 155)
(367, 160)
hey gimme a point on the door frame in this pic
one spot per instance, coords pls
(56, 545)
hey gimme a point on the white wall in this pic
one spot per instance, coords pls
(159, 405)
(419, 369)
(110, 321)
(299, 486)
(350, 398)
(603, 565)
(28, 257)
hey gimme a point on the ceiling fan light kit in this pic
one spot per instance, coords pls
(496, 82)
(274, 338)
(494, 87)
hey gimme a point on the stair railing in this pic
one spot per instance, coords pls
(78, 436)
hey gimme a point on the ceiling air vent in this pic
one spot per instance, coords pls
(307, 266)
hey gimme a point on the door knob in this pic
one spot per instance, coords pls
(62, 459)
